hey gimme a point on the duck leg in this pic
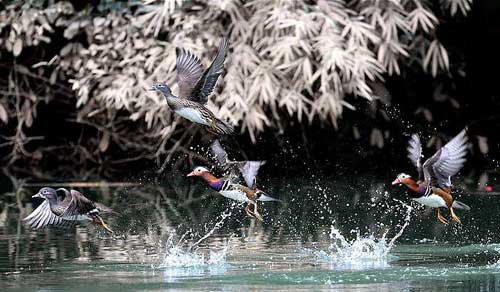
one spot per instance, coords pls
(440, 217)
(101, 222)
(247, 211)
(453, 216)
(256, 212)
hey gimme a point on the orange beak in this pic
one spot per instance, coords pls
(396, 181)
(191, 174)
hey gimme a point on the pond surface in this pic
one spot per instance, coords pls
(326, 234)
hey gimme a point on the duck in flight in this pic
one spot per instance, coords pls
(228, 188)
(195, 86)
(63, 207)
(433, 187)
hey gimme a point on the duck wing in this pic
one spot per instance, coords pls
(206, 83)
(42, 216)
(79, 205)
(189, 71)
(447, 161)
(249, 170)
(415, 153)
(219, 153)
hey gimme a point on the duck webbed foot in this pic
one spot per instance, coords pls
(440, 217)
(453, 216)
(248, 212)
(100, 221)
(256, 212)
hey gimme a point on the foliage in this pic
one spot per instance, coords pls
(289, 61)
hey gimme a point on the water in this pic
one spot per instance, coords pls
(327, 234)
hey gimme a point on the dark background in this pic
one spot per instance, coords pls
(469, 98)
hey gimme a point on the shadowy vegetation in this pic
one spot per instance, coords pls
(74, 93)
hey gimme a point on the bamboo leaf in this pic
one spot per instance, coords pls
(4, 117)
(104, 143)
(18, 47)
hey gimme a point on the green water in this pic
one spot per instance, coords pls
(294, 249)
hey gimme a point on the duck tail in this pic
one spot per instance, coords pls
(105, 210)
(460, 205)
(263, 197)
(224, 128)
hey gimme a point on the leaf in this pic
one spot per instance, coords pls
(72, 30)
(104, 143)
(135, 116)
(18, 47)
(483, 144)
(3, 114)
(27, 113)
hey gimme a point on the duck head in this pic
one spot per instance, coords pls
(204, 173)
(403, 178)
(199, 171)
(162, 87)
(46, 193)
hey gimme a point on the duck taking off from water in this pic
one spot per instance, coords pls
(62, 207)
(195, 86)
(433, 187)
(229, 189)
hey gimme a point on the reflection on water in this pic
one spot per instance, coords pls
(325, 234)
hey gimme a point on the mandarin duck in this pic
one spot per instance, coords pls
(248, 169)
(195, 86)
(62, 207)
(229, 189)
(433, 187)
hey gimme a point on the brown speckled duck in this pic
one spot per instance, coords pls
(195, 86)
(62, 207)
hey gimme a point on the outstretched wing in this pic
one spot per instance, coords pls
(415, 153)
(249, 171)
(42, 216)
(207, 82)
(447, 161)
(219, 153)
(79, 205)
(189, 71)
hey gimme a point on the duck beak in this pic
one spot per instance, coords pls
(396, 181)
(37, 195)
(191, 174)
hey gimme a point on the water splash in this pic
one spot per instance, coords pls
(179, 255)
(217, 226)
(362, 252)
(495, 265)
(182, 262)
